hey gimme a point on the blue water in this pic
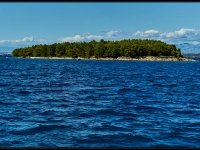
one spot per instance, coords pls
(70, 103)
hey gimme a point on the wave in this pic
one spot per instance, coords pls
(39, 129)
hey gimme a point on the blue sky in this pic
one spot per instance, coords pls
(24, 24)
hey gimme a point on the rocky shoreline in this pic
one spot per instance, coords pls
(146, 58)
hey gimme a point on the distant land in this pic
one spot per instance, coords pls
(197, 55)
(194, 56)
(189, 48)
(5, 54)
(130, 48)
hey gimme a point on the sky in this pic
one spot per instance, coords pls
(26, 24)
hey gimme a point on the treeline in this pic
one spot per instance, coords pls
(128, 48)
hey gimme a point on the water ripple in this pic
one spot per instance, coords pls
(81, 104)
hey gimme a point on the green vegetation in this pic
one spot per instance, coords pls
(113, 49)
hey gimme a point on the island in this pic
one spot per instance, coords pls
(127, 49)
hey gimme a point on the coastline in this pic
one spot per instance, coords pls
(145, 58)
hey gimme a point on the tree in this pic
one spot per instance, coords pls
(128, 48)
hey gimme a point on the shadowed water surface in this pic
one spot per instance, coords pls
(70, 103)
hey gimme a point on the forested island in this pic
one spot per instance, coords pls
(130, 48)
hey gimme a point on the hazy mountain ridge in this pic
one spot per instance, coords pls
(188, 48)
(192, 55)
(5, 54)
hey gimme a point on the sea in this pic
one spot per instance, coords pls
(49, 103)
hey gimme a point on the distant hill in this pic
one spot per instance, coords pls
(195, 56)
(5, 54)
(192, 55)
(189, 48)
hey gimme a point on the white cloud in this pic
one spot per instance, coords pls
(90, 37)
(79, 38)
(147, 33)
(181, 33)
(26, 39)
(152, 31)
(186, 39)
(111, 34)
(75, 38)
(23, 40)
(176, 37)
(93, 37)
(194, 42)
